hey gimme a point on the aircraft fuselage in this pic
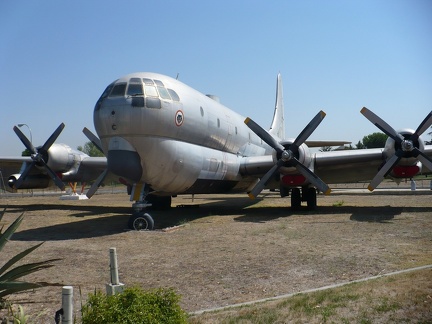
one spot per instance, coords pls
(157, 130)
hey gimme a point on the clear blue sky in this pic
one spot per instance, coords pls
(56, 58)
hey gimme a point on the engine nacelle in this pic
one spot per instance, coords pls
(61, 158)
(38, 181)
(408, 166)
(303, 156)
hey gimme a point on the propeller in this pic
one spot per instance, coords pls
(96, 141)
(288, 156)
(39, 156)
(405, 147)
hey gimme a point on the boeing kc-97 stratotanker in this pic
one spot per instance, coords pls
(161, 138)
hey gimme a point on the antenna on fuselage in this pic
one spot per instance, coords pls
(177, 76)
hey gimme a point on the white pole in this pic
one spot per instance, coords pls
(114, 267)
(67, 304)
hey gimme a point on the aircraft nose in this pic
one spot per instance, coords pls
(123, 160)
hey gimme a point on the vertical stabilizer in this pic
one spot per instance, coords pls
(277, 127)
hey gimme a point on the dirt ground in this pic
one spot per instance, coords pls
(227, 250)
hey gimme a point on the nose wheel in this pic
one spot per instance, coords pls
(141, 221)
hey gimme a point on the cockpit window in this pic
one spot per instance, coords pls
(118, 90)
(150, 91)
(107, 91)
(148, 81)
(174, 95)
(158, 83)
(164, 93)
(135, 89)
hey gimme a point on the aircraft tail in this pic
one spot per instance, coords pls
(277, 127)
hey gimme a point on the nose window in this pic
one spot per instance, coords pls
(135, 89)
(118, 90)
(151, 91)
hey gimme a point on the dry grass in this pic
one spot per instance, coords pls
(403, 298)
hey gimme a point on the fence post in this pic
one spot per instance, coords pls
(115, 286)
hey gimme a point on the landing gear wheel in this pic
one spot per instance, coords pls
(295, 198)
(311, 198)
(141, 221)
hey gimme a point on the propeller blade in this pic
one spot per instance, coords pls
(96, 184)
(23, 175)
(264, 135)
(423, 158)
(309, 129)
(379, 177)
(50, 141)
(29, 146)
(263, 181)
(313, 178)
(381, 124)
(59, 183)
(93, 138)
(424, 125)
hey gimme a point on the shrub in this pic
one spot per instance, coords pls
(9, 278)
(134, 305)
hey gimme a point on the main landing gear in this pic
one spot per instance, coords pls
(140, 219)
(308, 194)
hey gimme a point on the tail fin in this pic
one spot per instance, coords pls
(277, 127)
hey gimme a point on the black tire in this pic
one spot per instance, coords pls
(295, 198)
(141, 222)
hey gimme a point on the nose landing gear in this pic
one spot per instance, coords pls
(141, 221)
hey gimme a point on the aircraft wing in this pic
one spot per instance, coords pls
(348, 166)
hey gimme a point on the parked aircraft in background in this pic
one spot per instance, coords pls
(162, 138)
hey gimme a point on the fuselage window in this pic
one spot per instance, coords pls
(174, 95)
(118, 90)
(148, 81)
(151, 91)
(158, 83)
(164, 93)
(135, 89)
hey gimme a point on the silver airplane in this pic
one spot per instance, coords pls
(161, 138)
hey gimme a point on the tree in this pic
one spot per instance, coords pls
(374, 140)
(360, 145)
(90, 149)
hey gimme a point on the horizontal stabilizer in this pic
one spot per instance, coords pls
(325, 143)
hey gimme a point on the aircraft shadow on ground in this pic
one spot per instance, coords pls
(90, 222)
(86, 222)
